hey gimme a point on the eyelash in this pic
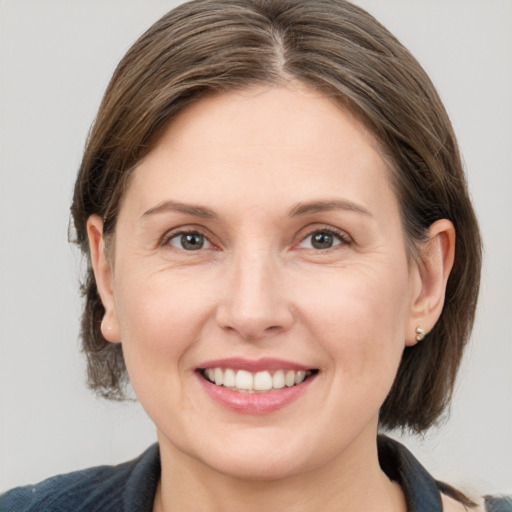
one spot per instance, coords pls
(177, 234)
(341, 236)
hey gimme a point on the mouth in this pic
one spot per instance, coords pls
(255, 387)
(263, 381)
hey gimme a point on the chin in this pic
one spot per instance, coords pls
(255, 455)
(261, 468)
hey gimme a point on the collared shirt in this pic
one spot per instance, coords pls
(131, 487)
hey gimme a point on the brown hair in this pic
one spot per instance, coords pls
(210, 46)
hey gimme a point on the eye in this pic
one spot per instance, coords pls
(323, 239)
(189, 241)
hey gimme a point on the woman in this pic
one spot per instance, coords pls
(282, 255)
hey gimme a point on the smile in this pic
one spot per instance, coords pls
(255, 387)
(265, 381)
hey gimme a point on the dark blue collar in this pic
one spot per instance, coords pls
(131, 487)
(399, 464)
(420, 489)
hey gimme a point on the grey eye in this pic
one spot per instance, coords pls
(192, 241)
(321, 240)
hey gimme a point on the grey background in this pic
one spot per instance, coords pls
(56, 57)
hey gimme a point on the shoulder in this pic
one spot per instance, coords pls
(62, 492)
(451, 505)
(92, 490)
(498, 503)
(422, 492)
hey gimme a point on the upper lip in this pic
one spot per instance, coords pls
(254, 365)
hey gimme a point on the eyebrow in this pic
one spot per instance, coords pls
(188, 209)
(325, 206)
(298, 210)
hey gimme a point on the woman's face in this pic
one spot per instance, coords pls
(260, 243)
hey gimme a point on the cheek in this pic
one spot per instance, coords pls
(160, 319)
(360, 319)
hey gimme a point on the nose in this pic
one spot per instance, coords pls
(255, 305)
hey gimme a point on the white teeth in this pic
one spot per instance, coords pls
(290, 378)
(243, 380)
(229, 378)
(300, 376)
(278, 380)
(263, 381)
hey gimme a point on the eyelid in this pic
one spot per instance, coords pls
(185, 230)
(174, 241)
(344, 238)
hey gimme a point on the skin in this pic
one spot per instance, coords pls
(260, 288)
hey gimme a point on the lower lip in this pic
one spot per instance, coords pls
(255, 403)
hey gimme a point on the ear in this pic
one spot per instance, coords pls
(104, 278)
(432, 269)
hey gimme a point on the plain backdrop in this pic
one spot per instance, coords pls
(56, 57)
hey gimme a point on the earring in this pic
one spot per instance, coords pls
(420, 333)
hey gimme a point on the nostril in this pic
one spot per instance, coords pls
(254, 314)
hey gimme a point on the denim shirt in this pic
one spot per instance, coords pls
(131, 487)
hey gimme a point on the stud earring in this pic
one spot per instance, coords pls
(420, 333)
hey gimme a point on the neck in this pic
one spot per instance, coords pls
(354, 480)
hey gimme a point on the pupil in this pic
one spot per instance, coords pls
(322, 241)
(192, 241)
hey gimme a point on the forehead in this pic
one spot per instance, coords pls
(280, 141)
(257, 115)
